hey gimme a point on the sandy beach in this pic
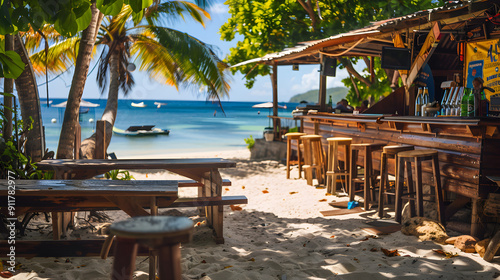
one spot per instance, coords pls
(279, 234)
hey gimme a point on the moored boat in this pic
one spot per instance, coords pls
(140, 130)
(138, 105)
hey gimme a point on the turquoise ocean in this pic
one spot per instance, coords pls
(195, 126)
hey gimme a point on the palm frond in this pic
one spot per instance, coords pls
(196, 61)
(172, 11)
(33, 39)
(60, 57)
(117, 24)
(154, 59)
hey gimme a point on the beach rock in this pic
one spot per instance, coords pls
(425, 229)
(481, 246)
(466, 243)
(451, 240)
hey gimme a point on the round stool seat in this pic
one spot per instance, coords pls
(340, 140)
(154, 227)
(162, 234)
(392, 150)
(295, 134)
(418, 153)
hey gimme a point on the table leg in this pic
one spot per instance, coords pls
(170, 260)
(124, 262)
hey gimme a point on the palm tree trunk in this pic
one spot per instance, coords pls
(29, 101)
(109, 114)
(67, 137)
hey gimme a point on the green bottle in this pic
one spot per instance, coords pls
(470, 105)
(330, 101)
(464, 103)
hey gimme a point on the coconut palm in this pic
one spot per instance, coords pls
(169, 56)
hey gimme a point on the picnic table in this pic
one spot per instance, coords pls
(79, 195)
(204, 171)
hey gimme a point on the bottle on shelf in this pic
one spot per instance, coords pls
(443, 101)
(483, 105)
(330, 103)
(451, 97)
(418, 103)
(464, 102)
(425, 101)
(471, 112)
(456, 102)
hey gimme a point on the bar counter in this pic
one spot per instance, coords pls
(469, 149)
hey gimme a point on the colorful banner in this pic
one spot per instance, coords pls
(483, 61)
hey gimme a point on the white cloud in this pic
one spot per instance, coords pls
(309, 81)
(218, 8)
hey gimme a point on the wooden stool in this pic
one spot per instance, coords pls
(366, 150)
(289, 138)
(333, 170)
(417, 156)
(314, 158)
(388, 152)
(160, 233)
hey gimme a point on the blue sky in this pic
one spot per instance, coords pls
(289, 82)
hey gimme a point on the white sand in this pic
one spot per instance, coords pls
(279, 235)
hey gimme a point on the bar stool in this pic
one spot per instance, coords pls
(314, 158)
(365, 150)
(160, 233)
(289, 138)
(387, 153)
(417, 156)
(333, 170)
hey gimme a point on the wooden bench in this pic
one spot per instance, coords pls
(133, 197)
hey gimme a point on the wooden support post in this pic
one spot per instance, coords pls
(100, 140)
(78, 141)
(274, 78)
(322, 88)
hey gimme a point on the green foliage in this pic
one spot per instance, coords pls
(13, 161)
(68, 17)
(119, 175)
(269, 26)
(11, 65)
(376, 90)
(293, 129)
(250, 142)
(311, 96)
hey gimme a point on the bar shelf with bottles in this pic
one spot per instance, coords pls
(457, 101)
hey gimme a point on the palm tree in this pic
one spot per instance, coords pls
(169, 56)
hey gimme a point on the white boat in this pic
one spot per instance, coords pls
(139, 105)
(159, 104)
(141, 130)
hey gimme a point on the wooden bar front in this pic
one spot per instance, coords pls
(469, 148)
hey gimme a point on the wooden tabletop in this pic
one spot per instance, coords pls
(111, 164)
(91, 187)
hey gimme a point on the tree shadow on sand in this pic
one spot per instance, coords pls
(260, 245)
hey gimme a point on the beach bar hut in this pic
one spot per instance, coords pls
(452, 44)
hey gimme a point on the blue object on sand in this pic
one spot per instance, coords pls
(352, 204)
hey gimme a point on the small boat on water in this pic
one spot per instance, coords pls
(159, 104)
(138, 105)
(141, 130)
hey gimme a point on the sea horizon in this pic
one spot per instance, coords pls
(195, 125)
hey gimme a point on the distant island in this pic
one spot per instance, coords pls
(311, 96)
